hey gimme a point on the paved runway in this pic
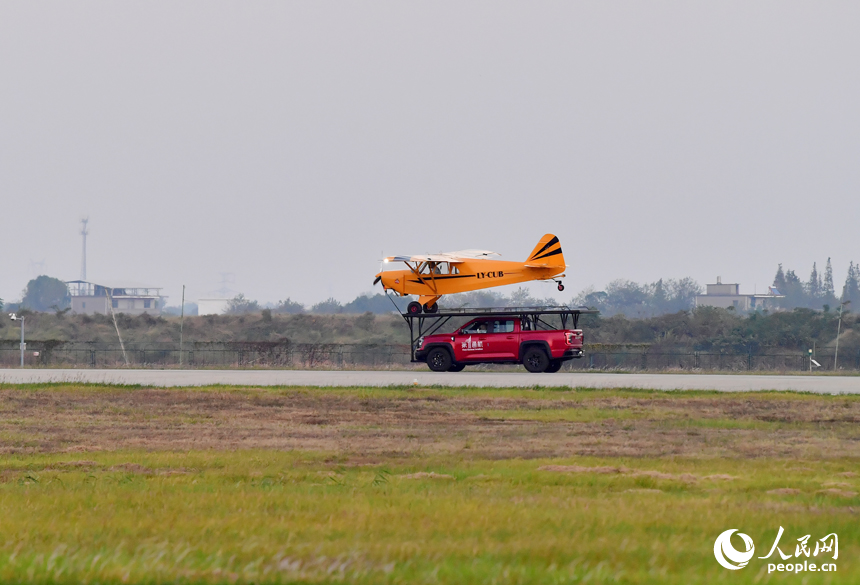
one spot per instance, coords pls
(726, 383)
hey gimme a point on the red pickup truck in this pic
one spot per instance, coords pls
(500, 340)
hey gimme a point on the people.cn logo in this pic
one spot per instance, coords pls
(728, 556)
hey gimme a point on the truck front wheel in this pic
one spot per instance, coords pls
(439, 360)
(535, 360)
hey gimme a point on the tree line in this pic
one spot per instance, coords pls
(619, 297)
(818, 292)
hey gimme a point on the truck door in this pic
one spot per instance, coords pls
(471, 342)
(504, 339)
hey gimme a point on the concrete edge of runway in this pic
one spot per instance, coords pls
(406, 378)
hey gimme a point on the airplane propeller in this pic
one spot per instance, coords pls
(381, 263)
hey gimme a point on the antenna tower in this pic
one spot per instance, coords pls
(84, 233)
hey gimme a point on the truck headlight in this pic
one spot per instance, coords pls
(420, 343)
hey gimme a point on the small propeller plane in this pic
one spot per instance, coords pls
(433, 275)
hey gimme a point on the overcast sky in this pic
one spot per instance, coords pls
(289, 145)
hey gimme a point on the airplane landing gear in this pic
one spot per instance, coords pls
(415, 308)
(560, 286)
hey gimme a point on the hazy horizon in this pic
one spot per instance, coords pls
(292, 145)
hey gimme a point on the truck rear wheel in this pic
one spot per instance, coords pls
(439, 360)
(535, 360)
(554, 366)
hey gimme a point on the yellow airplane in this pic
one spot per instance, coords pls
(433, 275)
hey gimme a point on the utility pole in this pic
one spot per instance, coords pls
(113, 316)
(84, 233)
(838, 329)
(15, 317)
(181, 319)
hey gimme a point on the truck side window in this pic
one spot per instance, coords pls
(476, 327)
(503, 326)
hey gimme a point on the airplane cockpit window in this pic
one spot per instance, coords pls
(436, 268)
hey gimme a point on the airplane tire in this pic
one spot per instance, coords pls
(439, 360)
(456, 367)
(560, 287)
(413, 308)
(535, 360)
(554, 366)
(433, 309)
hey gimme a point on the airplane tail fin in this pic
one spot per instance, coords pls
(547, 253)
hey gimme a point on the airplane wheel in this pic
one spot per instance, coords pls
(535, 360)
(554, 366)
(413, 308)
(456, 367)
(560, 287)
(433, 309)
(439, 360)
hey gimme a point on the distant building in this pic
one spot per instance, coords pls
(212, 306)
(728, 296)
(90, 298)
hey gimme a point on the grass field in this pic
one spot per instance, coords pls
(106, 484)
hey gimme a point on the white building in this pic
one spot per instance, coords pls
(89, 298)
(212, 306)
(727, 296)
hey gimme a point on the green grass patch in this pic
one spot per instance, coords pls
(395, 391)
(582, 415)
(262, 516)
(726, 423)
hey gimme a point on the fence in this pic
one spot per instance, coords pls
(285, 354)
(206, 355)
(708, 361)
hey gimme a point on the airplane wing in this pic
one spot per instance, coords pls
(470, 254)
(424, 258)
(453, 257)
